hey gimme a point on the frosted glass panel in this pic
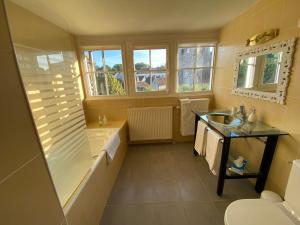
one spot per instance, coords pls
(51, 82)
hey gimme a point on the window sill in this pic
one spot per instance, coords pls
(152, 95)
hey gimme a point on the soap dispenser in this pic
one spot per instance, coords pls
(252, 117)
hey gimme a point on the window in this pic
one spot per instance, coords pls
(150, 69)
(246, 73)
(194, 67)
(271, 68)
(104, 72)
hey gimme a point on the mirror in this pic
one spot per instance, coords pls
(262, 72)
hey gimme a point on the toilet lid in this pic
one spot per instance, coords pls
(257, 212)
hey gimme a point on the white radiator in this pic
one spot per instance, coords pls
(150, 123)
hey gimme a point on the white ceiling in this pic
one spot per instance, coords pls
(102, 17)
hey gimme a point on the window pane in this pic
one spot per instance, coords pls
(202, 80)
(271, 68)
(113, 60)
(246, 73)
(141, 59)
(186, 57)
(116, 84)
(205, 56)
(93, 60)
(158, 58)
(107, 78)
(106, 83)
(102, 84)
(142, 80)
(185, 80)
(158, 81)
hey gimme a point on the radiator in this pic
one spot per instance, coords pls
(150, 123)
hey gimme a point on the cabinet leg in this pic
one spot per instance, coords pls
(222, 171)
(266, 163)
(195, 131)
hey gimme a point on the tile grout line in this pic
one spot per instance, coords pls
(19, 169)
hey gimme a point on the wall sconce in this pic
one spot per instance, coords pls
(262, 37)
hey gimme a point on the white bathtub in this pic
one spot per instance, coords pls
(103, 140)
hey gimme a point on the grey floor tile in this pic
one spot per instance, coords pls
(129, 215)
(163, 184)
(201, 213)
(192, 190)
(221, 207)
(170, 214)
(166, 191)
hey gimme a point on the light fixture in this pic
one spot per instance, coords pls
(262, 37)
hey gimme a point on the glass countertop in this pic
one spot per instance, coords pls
(245, 129)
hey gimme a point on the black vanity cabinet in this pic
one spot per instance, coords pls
(258, 130)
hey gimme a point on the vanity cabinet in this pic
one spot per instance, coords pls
(259, 130)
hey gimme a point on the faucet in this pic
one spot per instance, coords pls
(242, 113)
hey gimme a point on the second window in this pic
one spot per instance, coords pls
(150, 69)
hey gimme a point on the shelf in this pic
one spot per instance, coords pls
(238, 176)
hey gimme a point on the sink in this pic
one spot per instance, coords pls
(224, 119)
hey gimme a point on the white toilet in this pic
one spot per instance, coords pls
(268, 212)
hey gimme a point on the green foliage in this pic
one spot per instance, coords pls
(116, 87)
(270, 69)
(141, 65)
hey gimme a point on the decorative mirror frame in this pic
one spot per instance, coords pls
(287, 47)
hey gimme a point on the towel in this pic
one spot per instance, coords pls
(201, 138)
(213, 151)
(112, 146)
(187, 117)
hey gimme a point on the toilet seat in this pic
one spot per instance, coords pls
(257, 212)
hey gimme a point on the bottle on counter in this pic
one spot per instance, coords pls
(252, 117)
(104, 121)
(100, 120)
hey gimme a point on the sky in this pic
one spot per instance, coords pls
(158, 57)
(112, 57)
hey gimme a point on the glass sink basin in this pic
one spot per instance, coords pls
(224, 119)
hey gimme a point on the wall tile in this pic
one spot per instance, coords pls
(19, 142)
(28, 197)
(5, 44)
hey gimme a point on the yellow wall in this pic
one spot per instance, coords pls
(263, 15)
(33, 31)
(27, 194)
(117, 110)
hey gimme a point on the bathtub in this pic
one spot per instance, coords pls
(87, 203)
(103, 140)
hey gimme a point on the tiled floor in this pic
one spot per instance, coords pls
(164, 184)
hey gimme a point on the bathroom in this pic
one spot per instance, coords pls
(113, 121)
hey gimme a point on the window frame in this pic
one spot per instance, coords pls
(193, 44)
(85, 73)
(269, 86)
(132, 68)
(127, 47)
